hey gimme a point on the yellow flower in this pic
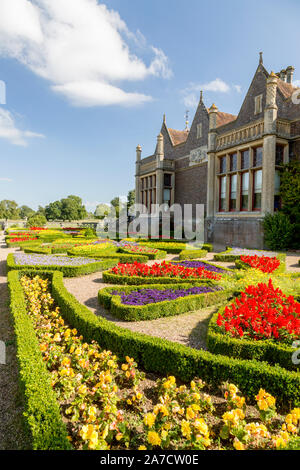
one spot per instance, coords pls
(149, 419)
(190, 413)
(186, 429)
(139, 395)
(280, 443)
(238, 445)
(153, 438)
(164, 435)
(124, 366)
(142, 448)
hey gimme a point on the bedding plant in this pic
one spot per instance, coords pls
(106, 404)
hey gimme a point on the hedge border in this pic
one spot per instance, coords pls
(161, 254)
(175, 251)
(112, 278)
(119, 257)
(42, 416)
(225, 256)
(69, 271)
(161, 356)
(165, 308)
(268, 351)
(192, 254)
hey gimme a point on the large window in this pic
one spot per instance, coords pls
(277, 200)
(233, 189)
(245, 159)
(244, 191)
(167, 196)
(233, 162)
(222, 197)
(167, 179)
(222, 164)
(279, 154)
(257, 156)
(257, 186)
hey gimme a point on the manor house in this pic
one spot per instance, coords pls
(228, 163)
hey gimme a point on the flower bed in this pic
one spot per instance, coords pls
(139, 273)
(233, 254)
(151, 253)
(101, 402)
(201, 264)
(262, 312)
(263, 263)
(165, 357)
(69, 266)
(158, 300)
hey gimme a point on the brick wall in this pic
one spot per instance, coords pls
(190, 185)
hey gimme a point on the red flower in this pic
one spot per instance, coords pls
(263, 263)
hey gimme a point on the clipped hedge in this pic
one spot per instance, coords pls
(165, 357)
(68, 271)
(170, 247)
(112, 278)
(41, 250)
(264, 350)
(118, 257)
(160, 254)
(166, 308)
(42, 414)
(227, 257)
(192, 254)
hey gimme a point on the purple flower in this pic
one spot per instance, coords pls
(151, 296)
(24, 259)
(199, 264)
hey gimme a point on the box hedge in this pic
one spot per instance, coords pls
(68, 271)
(161, 356)
(264, 350)
(41, 409)
(192, 254)
(160, 309)
(160, 254)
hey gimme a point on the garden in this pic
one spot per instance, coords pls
(91, 381)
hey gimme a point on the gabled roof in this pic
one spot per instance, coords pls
(287, 89)
(224, 118)
(178, 137)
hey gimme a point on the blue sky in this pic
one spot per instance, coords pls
(87, 82)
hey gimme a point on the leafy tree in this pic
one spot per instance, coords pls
(9, 210)
(102, 210)
(26, 212)
(118, 205)
(72, 208)
(53, 211)
(37, 220)
(131, 198)
(290, 197)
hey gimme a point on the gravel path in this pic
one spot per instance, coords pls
(12, 435)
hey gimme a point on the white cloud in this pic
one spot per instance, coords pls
(80, 46)
(9, 131)
(9, 180)
(191, 93)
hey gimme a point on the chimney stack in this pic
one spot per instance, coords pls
(283, 75)
(289, 74)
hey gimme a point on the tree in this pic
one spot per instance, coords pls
(290, 197)
(53, 210)
(37, 220)
(9, 210)
(72, 208)
(26, 212)
(101, 211)
(118, 205)
(131, 198)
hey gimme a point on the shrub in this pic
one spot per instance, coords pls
(36, 220)
(159, 309)
(278, 231)
(41, 411)
(192, 254)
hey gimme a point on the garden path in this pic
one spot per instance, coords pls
(12, 434)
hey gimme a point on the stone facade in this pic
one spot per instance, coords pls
(228, 163)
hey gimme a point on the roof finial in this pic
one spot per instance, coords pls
(164, 118)
(186, 120)
(261, 61)
(201, 96)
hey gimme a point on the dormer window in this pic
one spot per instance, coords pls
(258, 104)
(199, 131)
